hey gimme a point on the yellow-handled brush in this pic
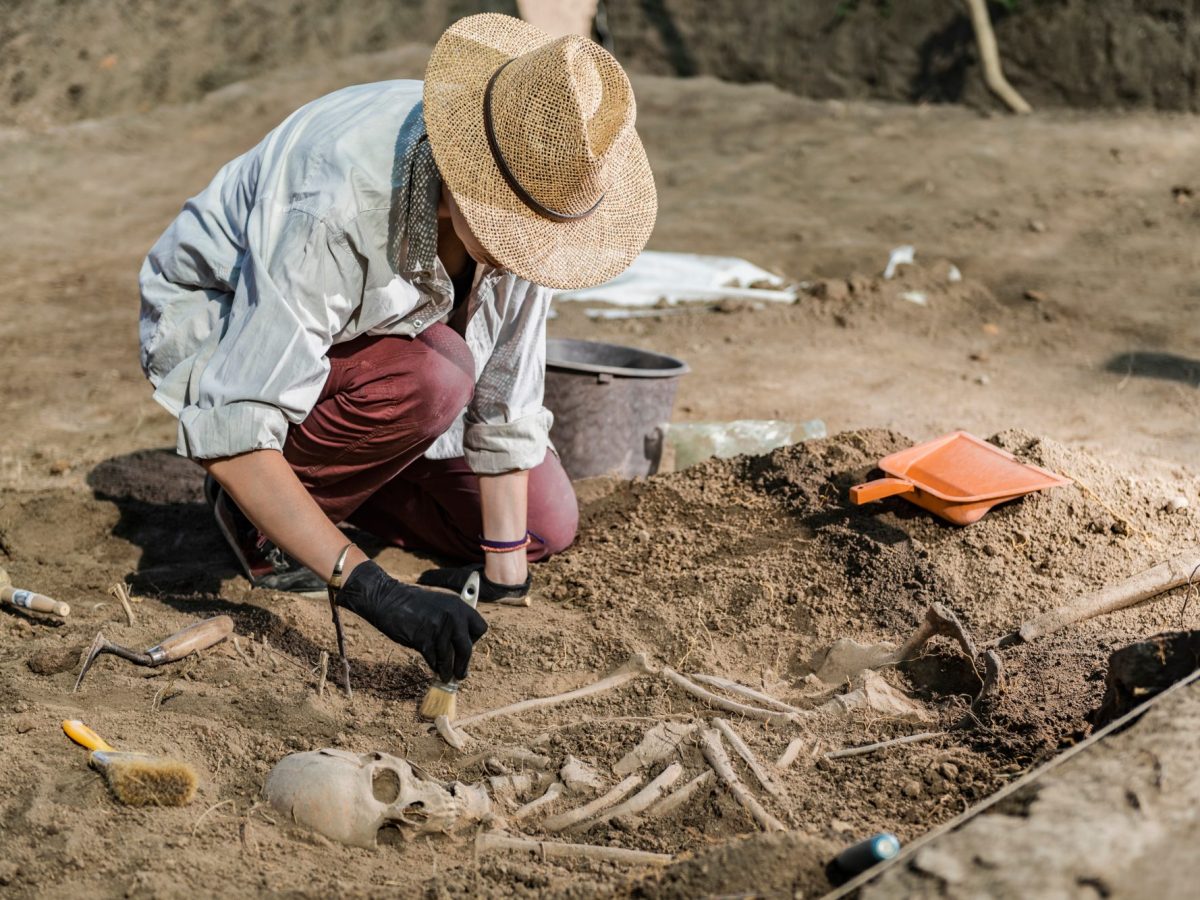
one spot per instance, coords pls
(442, 697)
(136, 779)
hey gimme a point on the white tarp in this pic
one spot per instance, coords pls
(673, 277)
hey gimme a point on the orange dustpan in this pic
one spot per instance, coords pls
(957, 476)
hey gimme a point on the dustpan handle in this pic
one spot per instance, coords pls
(878, 489)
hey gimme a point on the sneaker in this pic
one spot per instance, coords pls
(266, 565)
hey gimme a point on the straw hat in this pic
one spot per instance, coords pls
(534, 137)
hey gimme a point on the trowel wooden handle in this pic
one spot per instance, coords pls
(1183, 569)
(200, 636)
(31, 601)
(878, 489)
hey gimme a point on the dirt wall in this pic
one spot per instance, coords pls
(1083, 53)
(61, 61)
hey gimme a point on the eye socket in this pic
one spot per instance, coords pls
(385, 786)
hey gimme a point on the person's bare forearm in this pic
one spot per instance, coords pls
(505, 503)
(266, 489)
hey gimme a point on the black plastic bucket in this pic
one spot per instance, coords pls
(611, 406)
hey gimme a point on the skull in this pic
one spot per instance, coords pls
(349, 797)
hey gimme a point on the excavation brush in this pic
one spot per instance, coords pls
(192, 639)
(136, 779)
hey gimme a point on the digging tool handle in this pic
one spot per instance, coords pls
(878, 489)
(196, 637)
(31, 601)
(1150, 583)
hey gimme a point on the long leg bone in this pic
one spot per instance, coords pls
(717, 702)
(742, 690)
(719, 760)
(637, 666)
(565, 820)
(552, 793)
(680, 796)
(488, 841)
(748, 757)
(643, 799)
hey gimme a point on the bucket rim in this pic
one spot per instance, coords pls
(674, 369)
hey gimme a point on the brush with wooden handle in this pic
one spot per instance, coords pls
(136, 779)
(185, 642)
(30, 600)
(442, 697)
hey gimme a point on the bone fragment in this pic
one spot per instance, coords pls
(565, 820)
(719, 760)
(871, 748)
(451, 735)
(680, 796)
(552, 793)
(742, 690)
(518, 755)
(518, 785)
(121, 592)
(324, 667)
(790, 753)
(639, 802)
(488, 841)
(735, 740)
(637, 666)
(741, 709)
(579, 777)
(659, 742)
(875, 695)
(493, 766)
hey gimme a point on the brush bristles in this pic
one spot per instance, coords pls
(150, 781)
(439, 702)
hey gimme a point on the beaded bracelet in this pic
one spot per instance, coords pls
(508, 546)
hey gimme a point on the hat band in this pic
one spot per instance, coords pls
(502, 164)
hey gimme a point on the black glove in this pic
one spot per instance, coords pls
(442, 628)
(489, 591)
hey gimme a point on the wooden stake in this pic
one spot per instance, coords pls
(989, 55)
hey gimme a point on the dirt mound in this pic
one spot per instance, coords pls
(745, 568)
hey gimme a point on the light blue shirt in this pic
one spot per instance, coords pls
(285, 253)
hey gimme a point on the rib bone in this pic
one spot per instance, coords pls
(719, 760)
(747, 755)
(640, 801)
(717, 702)
(565, 820)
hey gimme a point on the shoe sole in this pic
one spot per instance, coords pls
(213, 492)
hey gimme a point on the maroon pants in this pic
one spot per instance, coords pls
(360, 452)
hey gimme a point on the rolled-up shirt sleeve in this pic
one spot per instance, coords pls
(506, 427)
(269, 364)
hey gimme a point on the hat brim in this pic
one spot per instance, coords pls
(561, 255)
